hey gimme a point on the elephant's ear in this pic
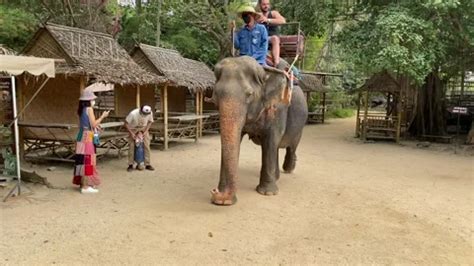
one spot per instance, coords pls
(218, 71)
(276, 88)
(260, 76)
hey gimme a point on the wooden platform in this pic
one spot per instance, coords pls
(317, 116)
(180, 126)
(211, 124)
(377, 125)
(56, 142)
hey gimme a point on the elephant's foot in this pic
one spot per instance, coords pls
(223, 198)
(268, 189)
(289, 164)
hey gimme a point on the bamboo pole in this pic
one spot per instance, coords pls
(357, 131)
(201, 110)
(196, 96)
(164, 94)
(399, 117)
(138, 96)
(365, 123)
(116, 103)
(324, 107)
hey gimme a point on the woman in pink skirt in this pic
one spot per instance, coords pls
(85, 172)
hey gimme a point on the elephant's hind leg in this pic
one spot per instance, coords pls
(290, 160)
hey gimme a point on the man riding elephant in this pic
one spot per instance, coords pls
(252, 38)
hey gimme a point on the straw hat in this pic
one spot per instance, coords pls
(87, 95)
(248, 9)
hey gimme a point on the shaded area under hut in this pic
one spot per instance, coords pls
(181, 107)
(312, 83)
(49, 124)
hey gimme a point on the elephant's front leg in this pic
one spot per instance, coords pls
(270, 171)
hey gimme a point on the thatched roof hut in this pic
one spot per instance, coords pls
(83, 56)
(381, 82)
(188, 79)
(181, 71)
(310, 82)
(94, 54)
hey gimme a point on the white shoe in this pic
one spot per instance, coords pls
(89, 190)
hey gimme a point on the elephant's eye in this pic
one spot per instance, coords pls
(248, 91)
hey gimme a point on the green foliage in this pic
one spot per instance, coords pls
(314, 102)
(394, 40)
(408, 37)
(340, 113)
(16, 27)
(313, 45)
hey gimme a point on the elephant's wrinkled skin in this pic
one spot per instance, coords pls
(251, 101)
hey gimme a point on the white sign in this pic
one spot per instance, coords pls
(459, 110)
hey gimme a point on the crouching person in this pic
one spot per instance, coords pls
(138, 123)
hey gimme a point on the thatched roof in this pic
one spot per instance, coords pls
(6, 51)
(183, 72)
(95, 54)
(381, 82)
(311, 82)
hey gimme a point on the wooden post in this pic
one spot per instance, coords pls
(21, 103)
(164, 100)
(196, 95)
(82, 84)
(399, 115)
(201, 111)
(138, 96)
(357, 130)
(365, 123)
(324, 106)
(116, 102)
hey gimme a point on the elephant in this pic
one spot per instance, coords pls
(256, 101)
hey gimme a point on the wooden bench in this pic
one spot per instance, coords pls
(291, 45)
(317, 116)
(56, 142)
(180, 126)
(211, 124)
(377, 126)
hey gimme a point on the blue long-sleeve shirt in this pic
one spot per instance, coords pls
(252, 42)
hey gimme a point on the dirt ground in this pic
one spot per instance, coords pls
(348, 202)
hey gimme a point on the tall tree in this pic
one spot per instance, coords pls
(427, 41)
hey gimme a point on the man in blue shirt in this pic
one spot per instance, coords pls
(252, 39)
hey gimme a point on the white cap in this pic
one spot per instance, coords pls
(146, 109)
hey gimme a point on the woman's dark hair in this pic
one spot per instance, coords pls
(82, 105)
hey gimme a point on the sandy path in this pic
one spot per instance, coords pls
(347, 202)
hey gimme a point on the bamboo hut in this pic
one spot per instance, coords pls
(85, 57)
(388, 118)
(189, 79)
(311, 83)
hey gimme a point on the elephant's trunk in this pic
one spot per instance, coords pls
(232, 118)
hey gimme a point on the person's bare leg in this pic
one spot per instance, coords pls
(275, 41)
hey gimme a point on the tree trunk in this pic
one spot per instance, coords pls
(429, 119)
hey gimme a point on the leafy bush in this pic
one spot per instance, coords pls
(341, 113)
(16, 26)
